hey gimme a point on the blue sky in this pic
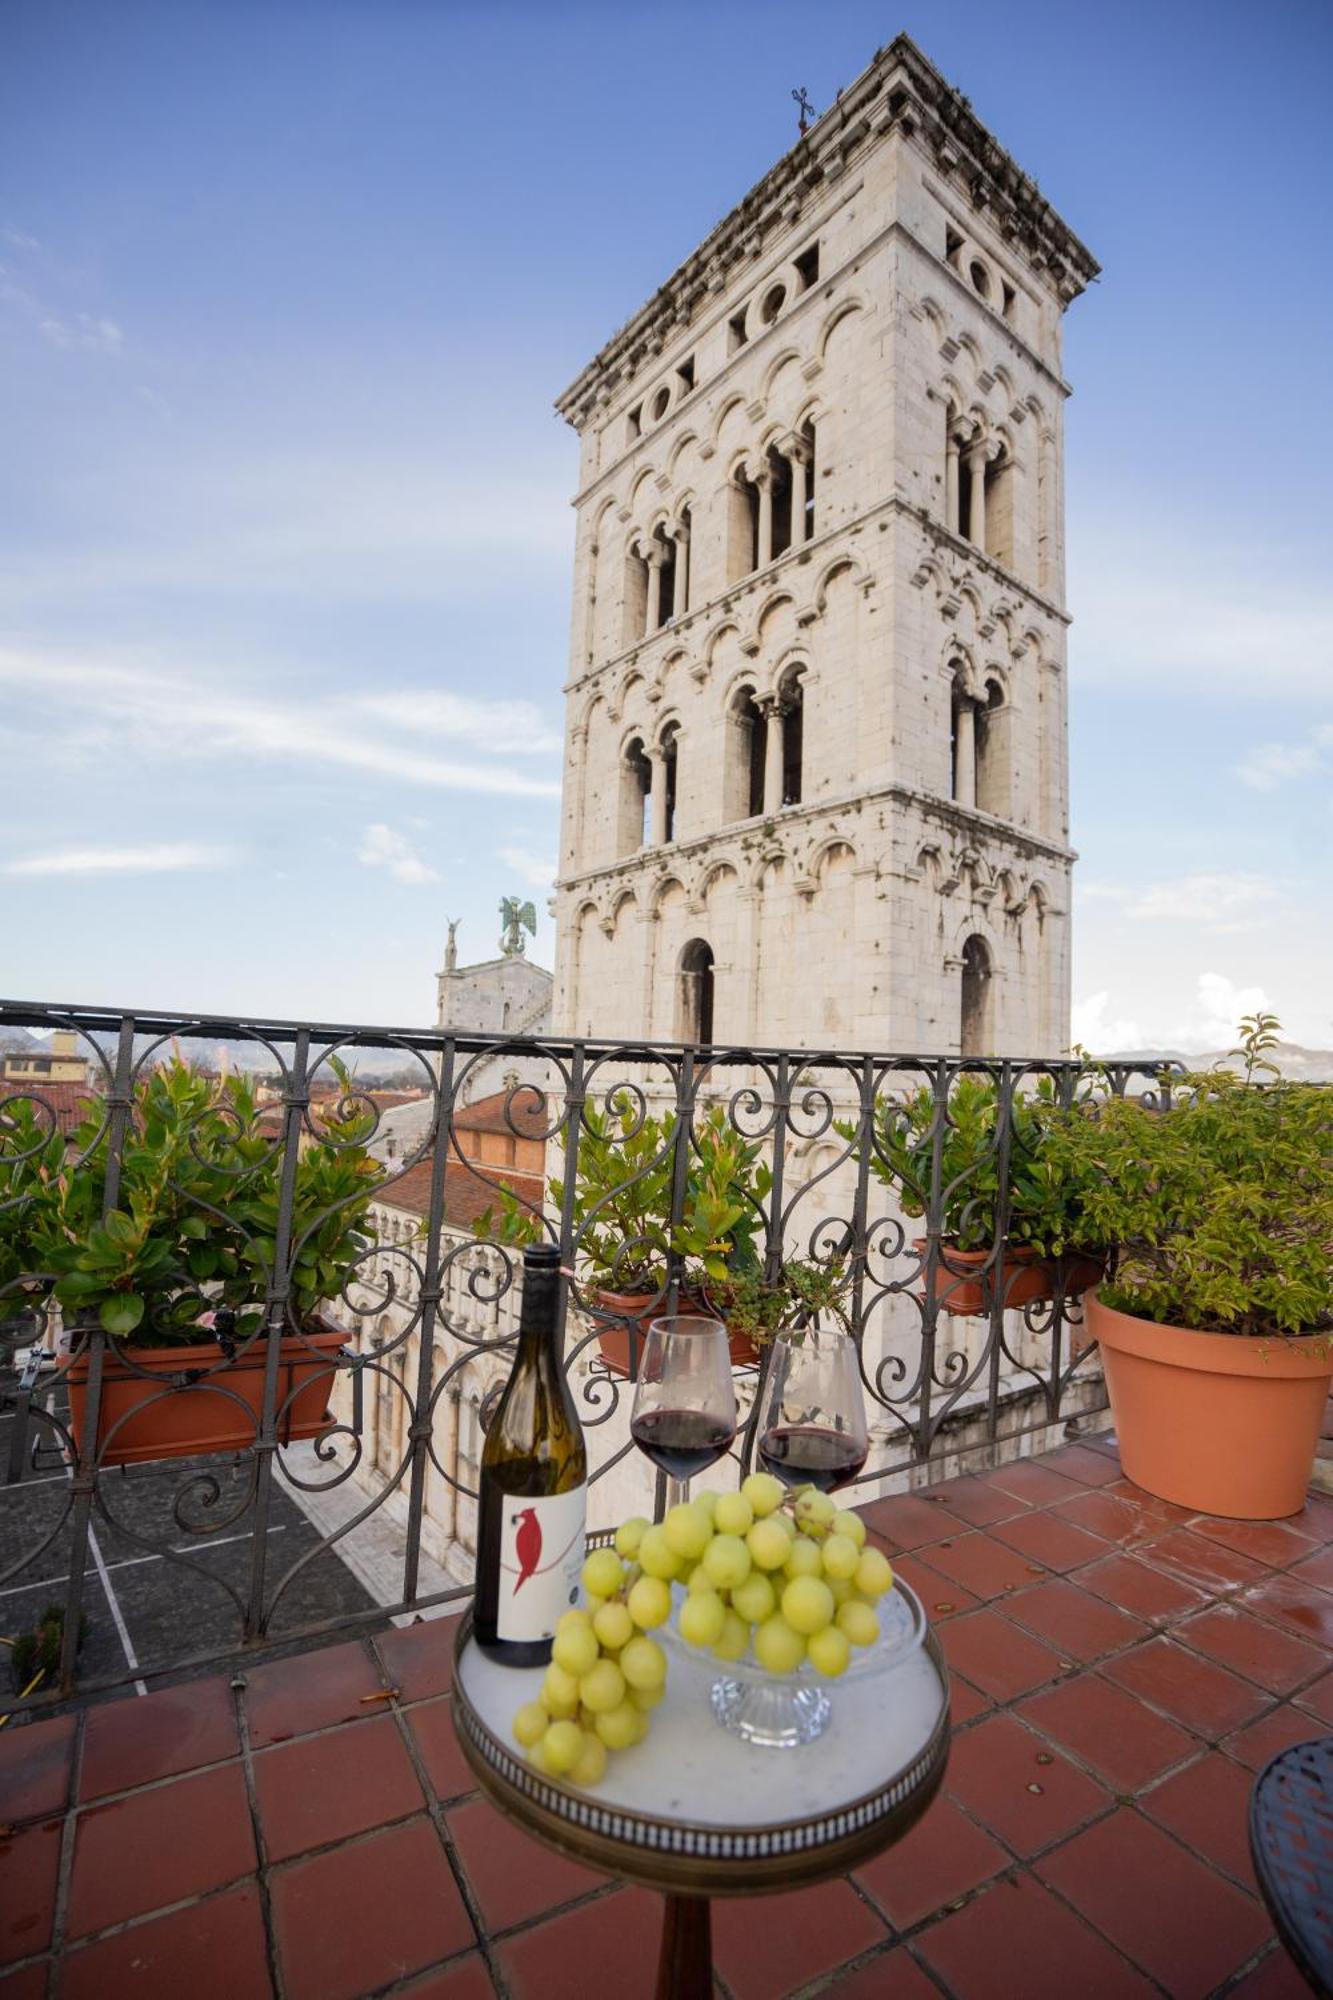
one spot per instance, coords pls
(286, 292)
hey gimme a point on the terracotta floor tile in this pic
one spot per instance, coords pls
(432, 1724)
(1206, 1698)
(965, 1701)
(143, 1738)
(1026, 1480)
(1212, 1566)
(1316, 1569)
(995, 1656)
(1164, 1510)
(1207, 1805)
(29, 1862)
(1088, 1467)
(1179, 1920)
(910, 1520)
(1319, 1699)
(213, 1951)
(608, 1947)
(941, 1596)
(1124, 1742)
(1116, 1519)
(309, 1691)
(1079, 1625)
(890, 1975)
(512, 1876)
(419, 1659)
(1144, 1592)
(978, 1504)
(465, 1979)
(1273, 1978)
(1023, 1789)
(1021, 1928)
(943, 1857)
(27, 1984)
(403, 1906)
(1274, 1543)
(1277, 1660)
(1047, 1537)
(330, 1787)
(1254, 1745)
(768, 1946)
(34, 1768)
(1297, 1606)
(159, 1846)
(984, 1566)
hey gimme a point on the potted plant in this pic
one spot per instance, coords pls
(1047, 1233)
(176, 1268)
(1216, 1324)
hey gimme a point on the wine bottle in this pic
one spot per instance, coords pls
(534, 1487)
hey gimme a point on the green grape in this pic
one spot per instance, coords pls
(618, 1727)
(537, 1759)
(576, 1649)
(733, 1514)
(649, 1603)
(697, 1580)
(589, 1767)
(840, 1556)
(562, 1743)
(643, 1663)
(613, 1625)
(629, 1534)
(735, 1641)
(687, 1530)
(768, 1545)
(858, 1621)
(814, 1508)
(708, 1501)
(569, 1619)
(842, 1587)
(804, 1558)
(603, 1573)
(603, 1688)
(874, 1575)
(646, 1698)
(560, 1692)
(778, 1649)
(829, 1652)
(530, 1724)
(755, 1599)
(851, 1525)
(764, 1493)
(807, 1605)
(702, 1618)
(657, 1557)
(726, 1561)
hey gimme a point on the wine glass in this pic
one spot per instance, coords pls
(684, 1415)
(812, 1429)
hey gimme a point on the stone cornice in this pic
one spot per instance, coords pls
(900, 91)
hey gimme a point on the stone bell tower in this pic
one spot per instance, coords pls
(816, 771)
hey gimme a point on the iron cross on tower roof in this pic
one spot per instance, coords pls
(805, 110)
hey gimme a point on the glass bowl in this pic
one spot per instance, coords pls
(782, 1711)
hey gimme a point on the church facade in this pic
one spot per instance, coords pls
(816, 770)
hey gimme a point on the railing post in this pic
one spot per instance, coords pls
(422, 1425)
(1006, 1083)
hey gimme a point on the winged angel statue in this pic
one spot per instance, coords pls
(516, 917)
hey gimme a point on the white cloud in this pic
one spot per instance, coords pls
(95, 336)
(515, 727)
(1210, 1022)
(1221, 1006)
(1220, 903)
(18, 239)
(381, 847)
(1265, 768)
(163, 858)
(1093, 1027)
(536, 869)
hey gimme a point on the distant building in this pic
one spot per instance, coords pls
(57, 1061)
(502, 996)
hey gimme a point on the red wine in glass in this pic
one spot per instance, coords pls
(812, 1455)
(682, 1443)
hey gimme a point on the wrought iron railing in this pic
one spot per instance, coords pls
(342, 1275)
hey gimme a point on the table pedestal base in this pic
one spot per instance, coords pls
(685, 1964)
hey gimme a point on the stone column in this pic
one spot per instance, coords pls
(657, 798)
(773, 712)
(976, 513)
(682, 603)
(799, 459)
(965, 755)
(655, 557)
(763, 479)
(951, 484)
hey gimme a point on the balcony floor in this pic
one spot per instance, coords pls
(1121, 1670)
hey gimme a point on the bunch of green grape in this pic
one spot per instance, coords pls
(785, 1575)
(606, 1673)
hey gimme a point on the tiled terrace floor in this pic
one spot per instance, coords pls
(1121, 1670)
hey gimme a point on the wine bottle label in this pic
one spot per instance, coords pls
(541, 1554)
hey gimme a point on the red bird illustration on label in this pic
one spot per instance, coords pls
(527, 1545)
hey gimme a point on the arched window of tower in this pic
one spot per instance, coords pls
(962, 745)
(789, 718)
(636, 778)
(992, 730)
(695, 1004)
(998, 541)
(743, 771)
(780, 497)
(668, 781)
(636, 593)
(742, 525)
(975, 1032)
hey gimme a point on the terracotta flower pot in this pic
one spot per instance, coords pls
(635, 1312)
(162, 1422)
(962, 1287)
(1217, 1422)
